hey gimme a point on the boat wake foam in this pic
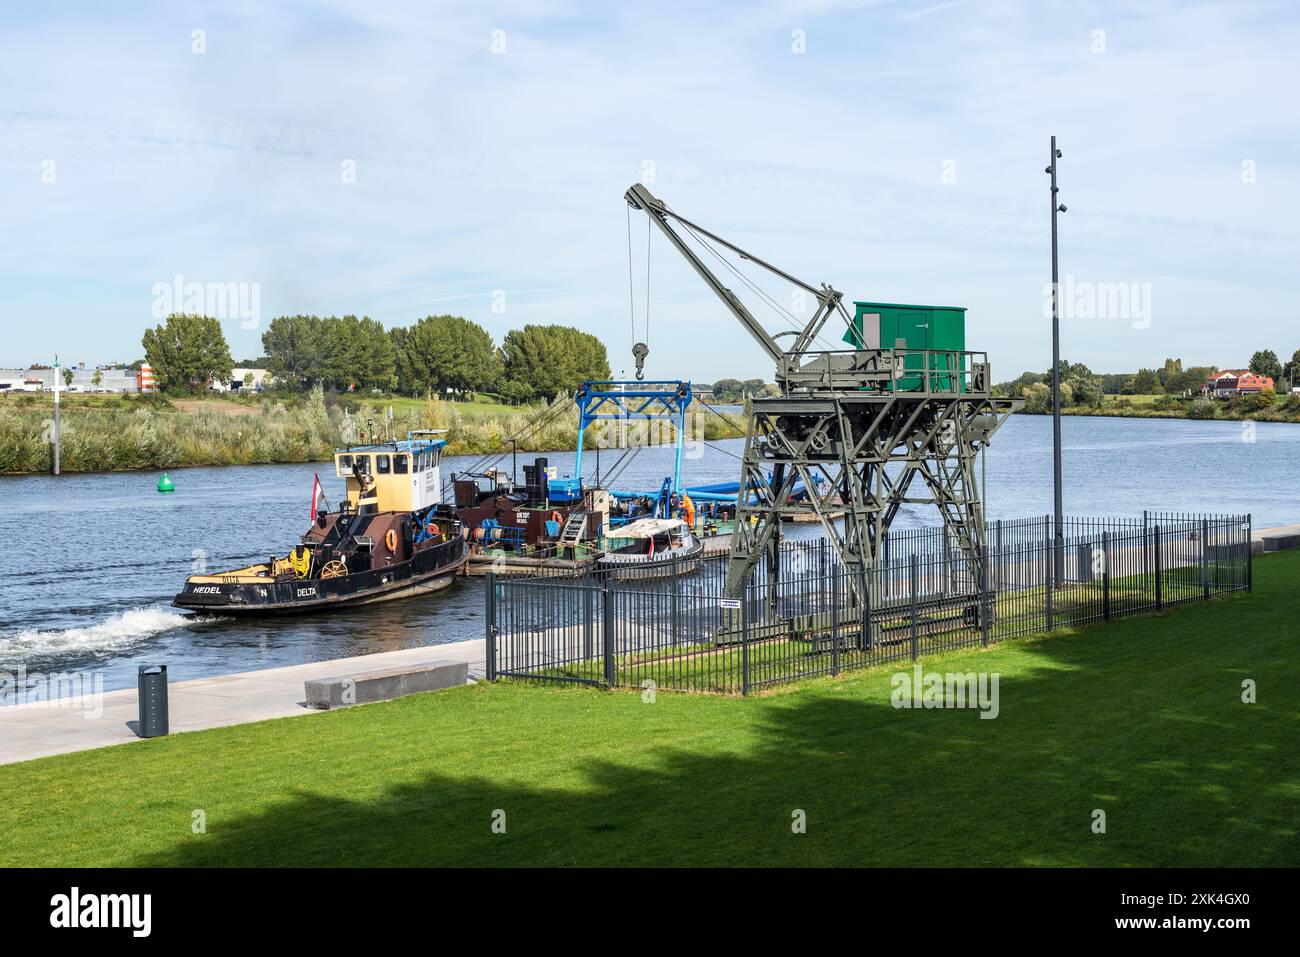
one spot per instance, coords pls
(114, 633)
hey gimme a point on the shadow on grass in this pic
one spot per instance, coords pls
(1142, 720)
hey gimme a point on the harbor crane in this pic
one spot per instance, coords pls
(862, 430)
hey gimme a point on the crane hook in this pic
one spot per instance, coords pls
(639, 352)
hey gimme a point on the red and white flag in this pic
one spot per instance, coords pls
(317, 496)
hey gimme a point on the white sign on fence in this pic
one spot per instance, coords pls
(729, 602)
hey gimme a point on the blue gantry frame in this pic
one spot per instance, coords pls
(667, 399)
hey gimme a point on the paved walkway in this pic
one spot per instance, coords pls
(35, 730)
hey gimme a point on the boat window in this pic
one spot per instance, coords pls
(381, 464)
(399, 464)
(345, 464)
(362, 463)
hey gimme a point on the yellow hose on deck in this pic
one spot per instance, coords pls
(300, 561)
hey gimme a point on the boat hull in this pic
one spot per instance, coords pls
(664, 565)
(427, 571)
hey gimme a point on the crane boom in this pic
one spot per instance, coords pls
(828, 298)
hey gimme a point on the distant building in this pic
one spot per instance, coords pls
(1234, 382)
(111, 379)
(243, 380)
(17, 380)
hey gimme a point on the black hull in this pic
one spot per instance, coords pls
(428, 570)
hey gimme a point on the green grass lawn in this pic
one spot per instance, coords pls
(1142, 719)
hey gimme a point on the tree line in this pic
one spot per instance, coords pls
(1080, 386)
(435, 355)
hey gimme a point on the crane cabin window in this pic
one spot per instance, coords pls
(382, 466)
(400, 464)
(345, 466)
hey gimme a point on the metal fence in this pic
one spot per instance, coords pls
(922, 596)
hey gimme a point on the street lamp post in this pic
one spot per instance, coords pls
(58, 436)
(1058, 510)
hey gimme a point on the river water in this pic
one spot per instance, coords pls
(89, 562)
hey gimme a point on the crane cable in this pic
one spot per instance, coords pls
(783, 313)
(640, 348)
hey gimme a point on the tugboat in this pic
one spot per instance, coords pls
(656, 548)
(391, 538)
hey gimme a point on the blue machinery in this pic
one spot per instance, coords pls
(665, 400)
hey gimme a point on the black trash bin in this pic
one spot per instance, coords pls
(152, 681)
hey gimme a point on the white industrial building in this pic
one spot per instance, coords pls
(111, 379)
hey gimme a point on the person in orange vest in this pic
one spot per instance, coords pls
(688, 507)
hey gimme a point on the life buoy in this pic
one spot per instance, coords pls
(431, 528)
(555, 517)
(391, 539)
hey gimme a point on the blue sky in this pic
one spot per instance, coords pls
(899, 158)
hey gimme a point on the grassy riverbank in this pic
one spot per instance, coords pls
(105, 433)
(1142, 719)
(1238, 409)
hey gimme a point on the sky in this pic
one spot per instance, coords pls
(398, 160)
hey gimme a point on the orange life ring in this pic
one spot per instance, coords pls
(431, 528)
(555, 517)
(391, 539)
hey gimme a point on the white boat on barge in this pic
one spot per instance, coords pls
(655, 548)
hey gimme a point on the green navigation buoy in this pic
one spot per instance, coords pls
(165, 483)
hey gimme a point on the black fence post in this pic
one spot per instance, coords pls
(1047, 581)
(986, 610)
(912, 583)
(677, 602)
(1250, 553)
(835, 622)
(1159, 570)
(864, 607)
(744, 642)
(1205, 559)
(1105, 574)
(607, 639)
(997, 550)
(588, 624)
(490, 628)
(1146, 559)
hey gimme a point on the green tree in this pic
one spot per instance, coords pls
(97, 379)
(357, 352)
(728, 390)
(553, 360)
(1038, 397)
(1171, 368)
(187, 351)
(1087, 391)
(295, 350)
(1265, 362)
(1147, 382)
(67, 378)
(448, 352)
(1191, 379)
(516, 393)
(1292, 370)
